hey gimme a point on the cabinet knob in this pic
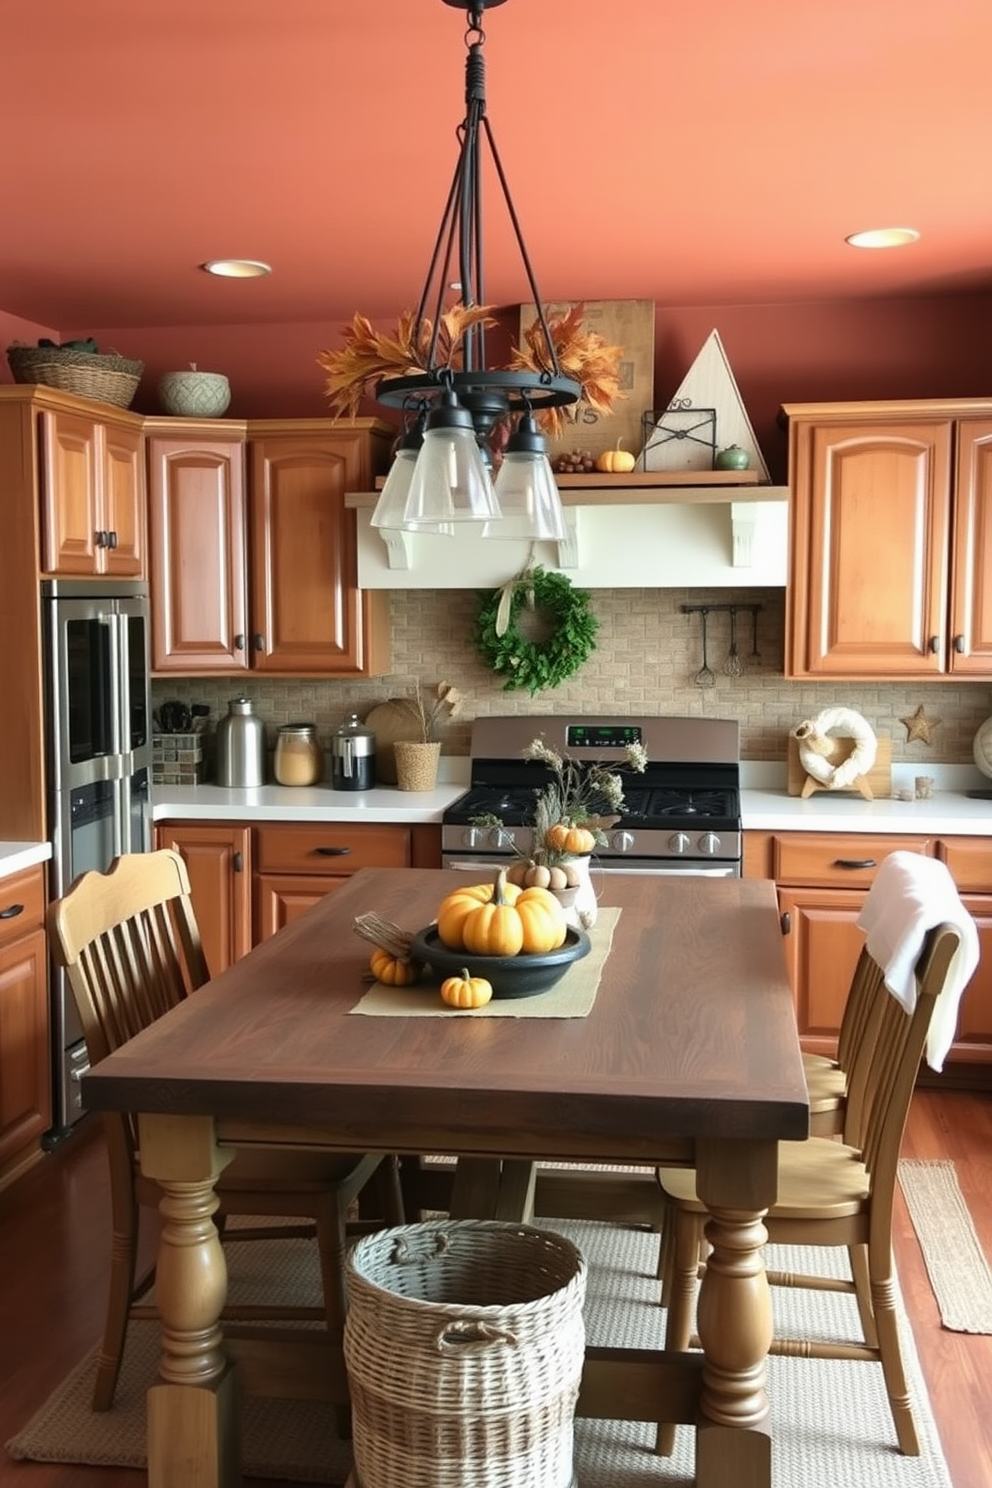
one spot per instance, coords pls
(111, 538)
(238, 862)
(259, 642)
(959, 644)
(101, 539)
(934, 645)
(239, 641)
(785, 920)
(11, 912)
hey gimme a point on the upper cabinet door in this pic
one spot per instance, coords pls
(870, 549)
(93, 496)
(971, 573)
(308, 616)
(196, 505)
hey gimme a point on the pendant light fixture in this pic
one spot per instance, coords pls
(461, 398)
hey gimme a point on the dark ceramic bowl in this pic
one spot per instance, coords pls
(511, 976)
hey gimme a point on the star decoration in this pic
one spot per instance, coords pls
(920, 726)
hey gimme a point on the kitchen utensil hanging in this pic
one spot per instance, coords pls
(705, 677)
(733, 666)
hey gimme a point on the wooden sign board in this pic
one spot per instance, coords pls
(878, 778)
(626, 323)
(708, 390)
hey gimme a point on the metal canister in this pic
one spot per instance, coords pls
(240, 762)
(353, 756)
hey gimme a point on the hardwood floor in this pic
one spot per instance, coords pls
(53, 1239)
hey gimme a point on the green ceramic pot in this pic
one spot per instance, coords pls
(732, 458)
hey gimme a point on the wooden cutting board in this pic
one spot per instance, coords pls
(390, 721)
(879, 777)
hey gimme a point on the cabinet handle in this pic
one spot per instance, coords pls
(101, 539)
(934, 645)
(111, 539)
(238, 862)
(11, 912)
(259, 642)
(785, 920)
(959, 644)
(332, 852)
(239, 642)
(855, 863)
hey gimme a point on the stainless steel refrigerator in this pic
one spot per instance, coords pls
(98, 739)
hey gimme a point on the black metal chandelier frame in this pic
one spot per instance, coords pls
(488, 394)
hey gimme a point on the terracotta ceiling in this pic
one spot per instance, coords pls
(708, 154)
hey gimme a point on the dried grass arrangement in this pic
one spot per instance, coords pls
(368, 356)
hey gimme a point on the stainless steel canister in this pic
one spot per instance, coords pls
(240, 759)
(353, 756)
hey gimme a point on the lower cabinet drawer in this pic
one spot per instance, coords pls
(336, 849)
(22, 903)
(970, 862)
(831, 860)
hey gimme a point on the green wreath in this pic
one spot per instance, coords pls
(537, 664)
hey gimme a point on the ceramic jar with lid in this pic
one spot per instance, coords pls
(299, 757)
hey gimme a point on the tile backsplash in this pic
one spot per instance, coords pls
(646, 656)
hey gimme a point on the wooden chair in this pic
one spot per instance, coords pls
(827, 1080)
(834, 1193)
(131, 949)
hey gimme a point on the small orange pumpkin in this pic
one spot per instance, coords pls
(563, 838)
(615, 461)
(393, 971)
(466, 991)
(454, 910)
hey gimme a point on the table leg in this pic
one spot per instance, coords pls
(737, 1183)
(193, 1435)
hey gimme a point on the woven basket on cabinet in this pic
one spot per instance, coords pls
(464, 1345)
(111, 378)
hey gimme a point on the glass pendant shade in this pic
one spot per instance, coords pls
(391, 505)
(450, 481)
(528, 498)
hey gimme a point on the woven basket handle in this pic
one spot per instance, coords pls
(471, 1337)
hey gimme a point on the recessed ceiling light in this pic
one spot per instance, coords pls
(237, 268)
(883, 237)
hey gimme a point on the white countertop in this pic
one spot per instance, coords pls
(317, 803)
(17, 855)
(947, 812)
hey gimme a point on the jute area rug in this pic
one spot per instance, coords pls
(831, 1422)
(956, 1264)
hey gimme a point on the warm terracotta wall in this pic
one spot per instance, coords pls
(779, 353)
(13, 328)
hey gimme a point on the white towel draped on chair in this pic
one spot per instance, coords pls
(910, 895)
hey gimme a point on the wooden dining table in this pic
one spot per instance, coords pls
(688, 1055)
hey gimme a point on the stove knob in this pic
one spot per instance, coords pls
(500, 837)
(471, 837)
(709, 843)
(622, 841)
(679, 843)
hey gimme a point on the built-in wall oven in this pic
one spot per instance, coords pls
(681, 816)
(98, 745)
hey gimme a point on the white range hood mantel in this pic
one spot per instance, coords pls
(624, 532)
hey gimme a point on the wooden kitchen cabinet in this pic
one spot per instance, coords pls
(297, 865)
(218, 860)
(253, 552)
(308, 616)
(197, 534)
(822, 879)
(890, 568)
(25, 1055)
(93, 508)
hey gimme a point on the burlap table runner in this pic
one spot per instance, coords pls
(573, 996)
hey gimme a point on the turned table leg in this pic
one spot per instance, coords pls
(737, 1182)
(193, 1437)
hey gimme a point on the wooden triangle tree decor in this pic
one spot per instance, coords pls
(685, 440)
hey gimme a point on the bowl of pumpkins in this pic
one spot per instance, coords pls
(513, 938)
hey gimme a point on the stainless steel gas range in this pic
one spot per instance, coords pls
(682, 815)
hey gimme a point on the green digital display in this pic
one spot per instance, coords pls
(602, 735)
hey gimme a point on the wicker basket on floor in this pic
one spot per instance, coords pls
(110, 378)
(464, 1345)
